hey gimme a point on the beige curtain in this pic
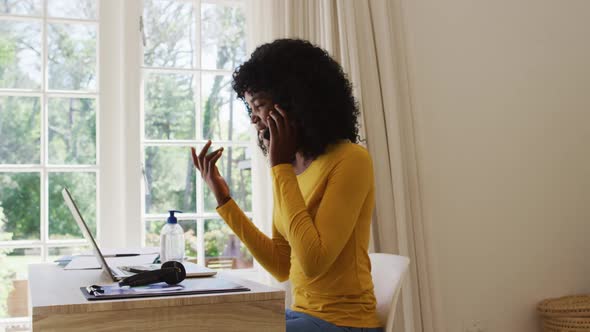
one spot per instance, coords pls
(366, 37)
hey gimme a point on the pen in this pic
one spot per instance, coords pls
(115, 255)
(121, 255)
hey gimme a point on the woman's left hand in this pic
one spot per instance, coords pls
(283, 139)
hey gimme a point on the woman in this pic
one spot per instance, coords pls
(302, 106)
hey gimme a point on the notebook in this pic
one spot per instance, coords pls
(186, 287)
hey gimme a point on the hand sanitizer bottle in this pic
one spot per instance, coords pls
(172, 240)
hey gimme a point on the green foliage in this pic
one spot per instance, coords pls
(20, 130)
(19, 193)
(170, 31)
(191, 247)
(72, 131)
(20, 54)
(72, 56)
(7, 53)
(220, 241)
(5, 274)
(83, 188)
(223, 31)
(172, 177)
(21, 197)
(169, 106)
(216, 237)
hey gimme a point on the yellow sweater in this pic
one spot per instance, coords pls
(320, 235)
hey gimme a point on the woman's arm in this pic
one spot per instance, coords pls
(274, 254)
(317, 242)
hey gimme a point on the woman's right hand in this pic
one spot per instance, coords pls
(205, 163)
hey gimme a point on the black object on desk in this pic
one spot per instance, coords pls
(172, 272)
(209, 285)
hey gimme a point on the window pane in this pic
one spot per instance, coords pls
(171, 179)
(238, 175)
(20, 55)
(82, 186)
(223, 249)
(170, 106)
(72, 130)
(80, 9)
(153, 229)
(170, 28)
(20, 203)
(72, 56)
(223, 117)
(13, 276)
(223, 37)
(21, 7)
(20, 130)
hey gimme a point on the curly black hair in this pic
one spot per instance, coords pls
(309, 85)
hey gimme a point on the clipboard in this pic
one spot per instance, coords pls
(186, 287)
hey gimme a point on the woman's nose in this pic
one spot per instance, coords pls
(253, 118)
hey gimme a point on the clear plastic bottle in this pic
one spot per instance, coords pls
(172, 240)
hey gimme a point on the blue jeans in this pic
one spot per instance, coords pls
(300, 322)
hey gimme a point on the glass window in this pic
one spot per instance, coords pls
(21, 7)
(191, 49)
(48, 136)
(20, 49)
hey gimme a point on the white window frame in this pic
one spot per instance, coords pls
(119, 133)
(134, 148)
(44, 169)
(112, 154)
(111, 159)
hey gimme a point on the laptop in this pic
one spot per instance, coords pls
(119, 273)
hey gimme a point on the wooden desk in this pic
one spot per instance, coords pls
(58, 305)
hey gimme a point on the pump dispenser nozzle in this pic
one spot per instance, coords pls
(172, 219)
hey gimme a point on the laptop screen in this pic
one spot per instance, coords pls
(86, 231)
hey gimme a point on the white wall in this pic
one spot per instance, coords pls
(501, 98)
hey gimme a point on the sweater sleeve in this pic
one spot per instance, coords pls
(318, 241)
(273, 253)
